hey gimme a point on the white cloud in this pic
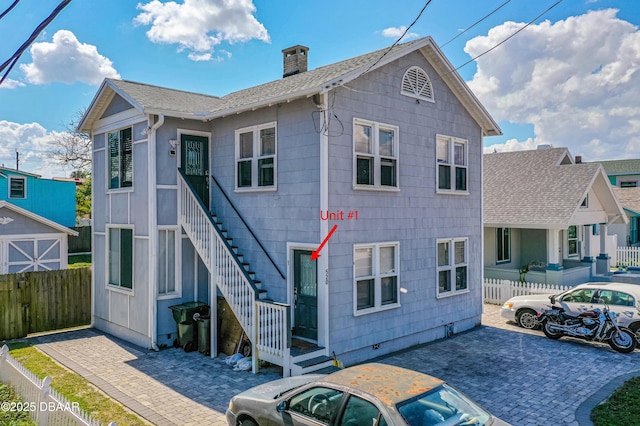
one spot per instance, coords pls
(577, 81)
(34, 143)
(396, 32)
(67, 60)
(200, 25)
(511, 145)
(11, 84)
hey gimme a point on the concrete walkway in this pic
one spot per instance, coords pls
(519, 375)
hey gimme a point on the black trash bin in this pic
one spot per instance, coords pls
(183, 316)
(204, 334)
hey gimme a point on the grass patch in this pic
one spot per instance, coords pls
(13, 418)
(74, 387)
(621, 408)
(79, 261)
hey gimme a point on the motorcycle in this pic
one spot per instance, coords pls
(597, 325)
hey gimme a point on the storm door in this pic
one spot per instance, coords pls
(195, 164)
(305, 295)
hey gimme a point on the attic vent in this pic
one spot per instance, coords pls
(416, 83)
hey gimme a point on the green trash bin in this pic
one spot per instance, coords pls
(183, 316)
(204, 334)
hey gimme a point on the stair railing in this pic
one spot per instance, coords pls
(244, 222)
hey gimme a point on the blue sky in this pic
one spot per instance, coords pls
(571, 79)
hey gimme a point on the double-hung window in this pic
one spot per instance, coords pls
(256, 157)
(376, 277)
(375, 155)
(120, 165)
(452, 266)
(166, 261)
(503, 244)
(17, 187)
(121, 257)
(451, 161)
(572, 240)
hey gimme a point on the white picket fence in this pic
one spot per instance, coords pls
(44, 404)
(628, 256)
(498, 291)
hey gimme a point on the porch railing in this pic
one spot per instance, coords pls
(265, 322)
(628, 256)
(497, 291)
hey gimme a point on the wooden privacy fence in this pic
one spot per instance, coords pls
(81, 243)
(47, 300)
(628, 256)
(498, 291)
(45, 405)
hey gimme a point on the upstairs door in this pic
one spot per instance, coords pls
(305, 295)
(195, 164)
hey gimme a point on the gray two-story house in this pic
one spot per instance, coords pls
(197, 196)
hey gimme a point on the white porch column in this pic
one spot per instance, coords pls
(588, 256)
(554, 257)
(603, 261)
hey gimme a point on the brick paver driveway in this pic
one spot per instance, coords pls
(519, 375)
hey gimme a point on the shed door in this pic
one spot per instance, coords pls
(305, 295)
(33, 255)
(195, 164)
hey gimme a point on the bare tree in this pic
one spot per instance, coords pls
(72, 147)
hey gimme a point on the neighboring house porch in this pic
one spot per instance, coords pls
(547, 218)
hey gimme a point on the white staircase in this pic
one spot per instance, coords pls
(265, 322)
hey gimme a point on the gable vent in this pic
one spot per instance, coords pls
(416, 83)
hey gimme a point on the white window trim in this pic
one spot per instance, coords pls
(24, 187)
(452, 141)
(377, 186)
(577, 240)
(254, 159)
(108, 160)
(415, 95)
(451, 266)
(177, 240)
(108, 285)
(378, 306)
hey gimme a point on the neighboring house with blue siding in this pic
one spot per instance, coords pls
(623, 173)
(51, 199)
(197, 196)
(629, 234)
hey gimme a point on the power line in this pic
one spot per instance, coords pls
(477, 22)
(14, 4)
(399, 38)
(508, 38)
(11, 62)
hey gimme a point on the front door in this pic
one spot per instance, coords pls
(195, 164)
(305, 295)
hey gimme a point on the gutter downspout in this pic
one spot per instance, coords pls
(323, 261)
(93, 244)
(153, 227)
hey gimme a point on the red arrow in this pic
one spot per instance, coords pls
(316, 253)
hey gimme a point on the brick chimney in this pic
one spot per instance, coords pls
(295, 60)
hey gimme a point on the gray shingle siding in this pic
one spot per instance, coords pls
(416, 216)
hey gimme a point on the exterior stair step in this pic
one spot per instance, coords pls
(311, 365)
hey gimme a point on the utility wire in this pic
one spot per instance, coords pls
(508, 38)
(11, 62)
(14, 4)
(477, 22)
(399, 38)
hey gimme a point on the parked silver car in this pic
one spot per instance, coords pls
(620, 297)
(364, 395)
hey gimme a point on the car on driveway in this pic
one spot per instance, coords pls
(622, 298)
(363, 395)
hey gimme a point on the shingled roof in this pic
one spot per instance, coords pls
(616, 167)
(629, 198)
(150, 99)
(540, 189)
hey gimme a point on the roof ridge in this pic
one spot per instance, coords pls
(155, 86)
